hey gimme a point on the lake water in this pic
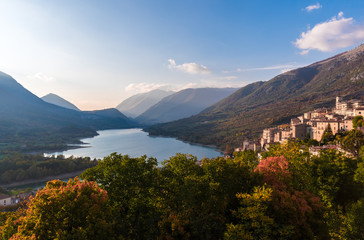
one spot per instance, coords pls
(136, 143)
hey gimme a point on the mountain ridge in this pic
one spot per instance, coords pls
(139, 103)
(59, 101)
(182, 104)
(265, 104)
(28, 121)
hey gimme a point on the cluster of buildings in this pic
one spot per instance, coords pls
(6, 200)
(311, 124)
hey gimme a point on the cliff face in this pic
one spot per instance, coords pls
(264, 104)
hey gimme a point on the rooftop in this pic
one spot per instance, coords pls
(3, 196)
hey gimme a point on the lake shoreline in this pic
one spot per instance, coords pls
(128, 134)
(81, 145)
(44, 179)
(145, 145)
(191, 143)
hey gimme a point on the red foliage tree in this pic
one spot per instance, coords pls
(299, 208)
(274, 169)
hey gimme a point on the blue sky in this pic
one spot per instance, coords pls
(97, 53)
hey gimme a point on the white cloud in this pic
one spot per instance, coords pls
(313, 7)
(144, 87)
(221, 82)
(338, 32)
(42, 77)
(210, 83)
(229, 77)
(286, 70)
(188, 85)
(286, 66)
(304, 52)
(191, 68)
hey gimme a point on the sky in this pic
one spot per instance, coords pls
(97, 53)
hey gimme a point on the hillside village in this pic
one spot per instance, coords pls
(311, 124)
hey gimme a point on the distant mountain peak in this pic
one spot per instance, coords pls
(8, 80)
(2, 74)
(139, 103)
(59, 101)
(182, 104)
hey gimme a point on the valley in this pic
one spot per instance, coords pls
(221, 120)
(209, 116)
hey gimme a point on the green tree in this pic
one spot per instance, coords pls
(353, 141)
(248, 158)
(359, 173)
(358, 121)
(226, 178)
(334, 175)
(310, 142)
(334, 184)
(197, 197)
(255, 220)
(327, 136)
(73, 210)
(185, 192)
(9, 223)
(133, 187)
(354, 221)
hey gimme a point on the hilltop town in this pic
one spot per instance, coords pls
(310, 125)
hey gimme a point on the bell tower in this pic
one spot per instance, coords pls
(338, 102)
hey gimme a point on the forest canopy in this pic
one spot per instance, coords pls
(19, 167)
(288, 194)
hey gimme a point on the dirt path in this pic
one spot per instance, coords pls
(45, 179)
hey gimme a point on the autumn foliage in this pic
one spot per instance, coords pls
(288, 194)
(293, 210)
(73, 210)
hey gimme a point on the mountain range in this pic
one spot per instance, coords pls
(30, 122)
(183, 104)
(139, 103)
(33, 123)
(265, 104)
(57, 100)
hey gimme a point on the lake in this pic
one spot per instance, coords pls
(136, 143)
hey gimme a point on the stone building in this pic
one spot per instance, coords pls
(5, 200)
(315, 123)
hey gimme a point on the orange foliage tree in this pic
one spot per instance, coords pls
(73, 210)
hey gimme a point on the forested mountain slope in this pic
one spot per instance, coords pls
(263, 104)
(30, 122)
